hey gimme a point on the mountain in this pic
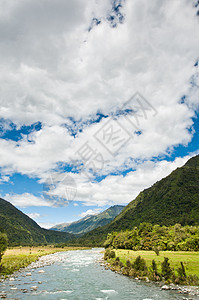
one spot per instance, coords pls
(22, 230)
(174, 199)
(91, 222)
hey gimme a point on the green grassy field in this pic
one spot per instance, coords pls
(21, 257)
(189, 259)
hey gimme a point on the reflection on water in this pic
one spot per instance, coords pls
(76, 275)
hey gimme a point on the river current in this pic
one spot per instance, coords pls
(78, 275)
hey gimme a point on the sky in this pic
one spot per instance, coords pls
(98, 101)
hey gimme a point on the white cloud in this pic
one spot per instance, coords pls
(34, 215)
(112, 190)
(121, 189)
(46, 225)
(59, 69)
(53, 69)
(90, 212)
(4, 179)
(25, 200)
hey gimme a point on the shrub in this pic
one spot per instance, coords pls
(154, 267)
(139, 264)
(166, 269)
(181, 272)
(128, 264)
(109, 254)
(156, 250)
(3, 244)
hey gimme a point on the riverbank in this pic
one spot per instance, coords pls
(147, 266)
(190, 259)
(20, 257)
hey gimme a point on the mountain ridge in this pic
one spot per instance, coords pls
(173, 199)
(90, 222)
(22, 230)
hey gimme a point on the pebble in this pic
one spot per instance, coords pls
(34, 288)
(165, 287)
(28, 274)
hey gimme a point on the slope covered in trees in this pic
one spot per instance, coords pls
(22, 230)
(174, 199)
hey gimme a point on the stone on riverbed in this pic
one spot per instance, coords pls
(166, 287)
(41, 271)
(34, 288)
(28, 274)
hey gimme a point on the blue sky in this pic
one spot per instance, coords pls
(98, 101)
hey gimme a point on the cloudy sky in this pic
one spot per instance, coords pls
(98, 100)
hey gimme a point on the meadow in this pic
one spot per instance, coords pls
(190, 259)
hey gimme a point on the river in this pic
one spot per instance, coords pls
(77, 275)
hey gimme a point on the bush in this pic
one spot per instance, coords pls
(181, 272)
(166, 269)
(139, 264)
(154, 267)
(156, 250)
(109, 254)
(3, 244)
(128, 264)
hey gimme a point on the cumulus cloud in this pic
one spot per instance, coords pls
(53, 68)
(46, 225)
(25, 200)
(56, 71)
(90, 212)
(120, 189)
(34, 215)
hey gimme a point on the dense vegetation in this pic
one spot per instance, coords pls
(179, 268)
(22, 230)
(156, 237)
(174, 199)
(3, 244)
(89, 223)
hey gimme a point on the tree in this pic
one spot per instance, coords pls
(166, 269)
(139, 264)
(3, 244)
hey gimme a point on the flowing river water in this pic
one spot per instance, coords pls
(77, 275)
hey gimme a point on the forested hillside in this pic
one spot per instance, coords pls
(22, 230)
(174, 199)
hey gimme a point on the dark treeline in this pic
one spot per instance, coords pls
(156, 237)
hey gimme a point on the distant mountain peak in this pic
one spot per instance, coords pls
(90, 222)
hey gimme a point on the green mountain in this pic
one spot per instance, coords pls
(174, 199)
(90, 222)
(22, 230)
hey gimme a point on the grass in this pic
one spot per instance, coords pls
(20, 257)
(189, 259)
